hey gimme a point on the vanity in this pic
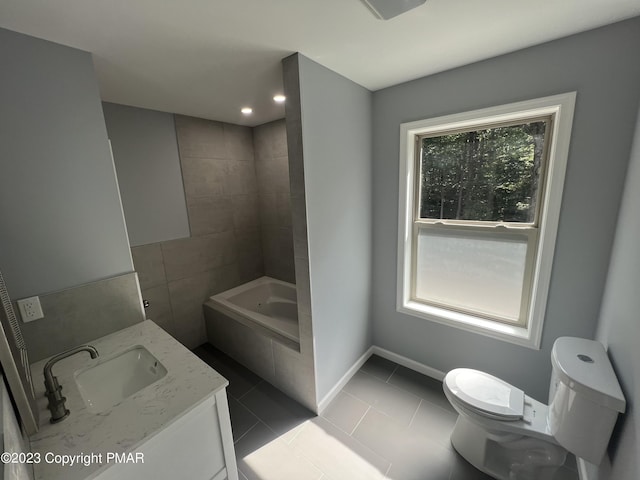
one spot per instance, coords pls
(145, 408)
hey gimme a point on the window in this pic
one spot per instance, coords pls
(480, 197)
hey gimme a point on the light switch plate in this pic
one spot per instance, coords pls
(30, 309)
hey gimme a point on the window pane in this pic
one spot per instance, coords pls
(471, 271)
(489, 174)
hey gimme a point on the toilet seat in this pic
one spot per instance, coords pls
(485, 394)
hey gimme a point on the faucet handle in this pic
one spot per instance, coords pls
(56, 405)
(55, 386)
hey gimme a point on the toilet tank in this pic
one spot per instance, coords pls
(584, 397)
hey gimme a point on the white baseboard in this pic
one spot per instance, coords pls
(394, 357)
(407, 362)
(322, 404)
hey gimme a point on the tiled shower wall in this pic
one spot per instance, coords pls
(291, 371)
(225, 247)
(272, 171)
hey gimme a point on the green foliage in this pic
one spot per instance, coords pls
(487, 175)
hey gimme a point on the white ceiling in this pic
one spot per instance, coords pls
(209, 58)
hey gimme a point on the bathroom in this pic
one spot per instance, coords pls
(327, 218)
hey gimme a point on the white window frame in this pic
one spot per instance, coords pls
(561, 108)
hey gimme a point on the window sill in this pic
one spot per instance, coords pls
(509, 333)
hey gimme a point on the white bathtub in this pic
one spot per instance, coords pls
(265, 303)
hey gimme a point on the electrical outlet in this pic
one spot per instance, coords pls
(30, 309)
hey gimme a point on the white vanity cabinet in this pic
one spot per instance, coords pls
(197, 446)
(176, 428)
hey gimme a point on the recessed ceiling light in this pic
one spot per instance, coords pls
(279, 98)
(247, 110)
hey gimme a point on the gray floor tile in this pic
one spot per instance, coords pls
(418, 384)
(256, 438)
(397, 429)
(434, 423)
(242, 420)
(337, 454)
(396, 403)
(463, 470)
(427, 468)
(261, 456)
(279, 412)
(399, 444)
(345, 411)
(241, 379)
(379, 367)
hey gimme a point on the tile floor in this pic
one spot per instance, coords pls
(388, 422)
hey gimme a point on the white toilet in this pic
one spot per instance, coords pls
(510, 436)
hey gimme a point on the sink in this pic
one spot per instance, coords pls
(117, 377)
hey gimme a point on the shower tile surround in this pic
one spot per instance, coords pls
(224, 249)
(238, 183)
(291, 371)
(240, 220)
(274, 193)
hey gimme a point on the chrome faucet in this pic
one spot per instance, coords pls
(53, 390)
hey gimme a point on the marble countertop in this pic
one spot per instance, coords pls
(188, 382)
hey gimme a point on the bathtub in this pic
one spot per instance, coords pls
(266, 305)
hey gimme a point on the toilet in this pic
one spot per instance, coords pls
(510, 436)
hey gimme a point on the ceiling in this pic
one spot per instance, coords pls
(209, 58)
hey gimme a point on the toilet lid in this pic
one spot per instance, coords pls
(485, 393)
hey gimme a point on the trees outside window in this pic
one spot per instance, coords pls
(491, 174)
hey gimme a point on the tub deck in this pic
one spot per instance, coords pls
(266, 305)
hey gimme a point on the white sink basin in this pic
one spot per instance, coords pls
(113, 379)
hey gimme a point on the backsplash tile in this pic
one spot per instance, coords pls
(78, 315)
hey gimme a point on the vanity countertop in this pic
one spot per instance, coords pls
(188, 382)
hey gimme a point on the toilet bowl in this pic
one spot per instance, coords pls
(499, 429)
(511, 436)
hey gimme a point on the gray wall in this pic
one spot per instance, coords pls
(61, 222)
(336, 143)
(272, 172)
(604, 70)
(145, 151)
(619, 327)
